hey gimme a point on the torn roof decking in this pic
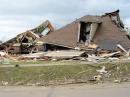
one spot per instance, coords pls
(107, 36)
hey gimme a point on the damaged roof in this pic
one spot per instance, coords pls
(90, 18)
(67, 36)
(107, 35)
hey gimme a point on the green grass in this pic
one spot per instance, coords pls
(57, 73)
(61, 62)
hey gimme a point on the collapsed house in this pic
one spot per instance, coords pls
(27, 42)
(90, 33)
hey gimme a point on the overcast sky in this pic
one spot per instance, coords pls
(17, 16)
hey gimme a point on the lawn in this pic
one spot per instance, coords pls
(56, 74)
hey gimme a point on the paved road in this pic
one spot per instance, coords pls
(82, 90)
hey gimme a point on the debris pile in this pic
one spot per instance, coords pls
(27, 42)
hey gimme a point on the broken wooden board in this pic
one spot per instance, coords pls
(123, 49)
(106, 55)
(64, 54)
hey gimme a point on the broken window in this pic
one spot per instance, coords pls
(87, 32)
(45, 31)
(84, 31)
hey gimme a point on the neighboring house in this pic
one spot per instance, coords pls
(104, 32)
(26, 42)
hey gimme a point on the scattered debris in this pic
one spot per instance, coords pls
(17, 65)
(98, 78)
(3, 53)
(124, 50)
(113, 59)
(103, 70)
(27, 42)
(107, 55)
(126, 79)
(117, 81)
(93, 58)
(4, 83)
